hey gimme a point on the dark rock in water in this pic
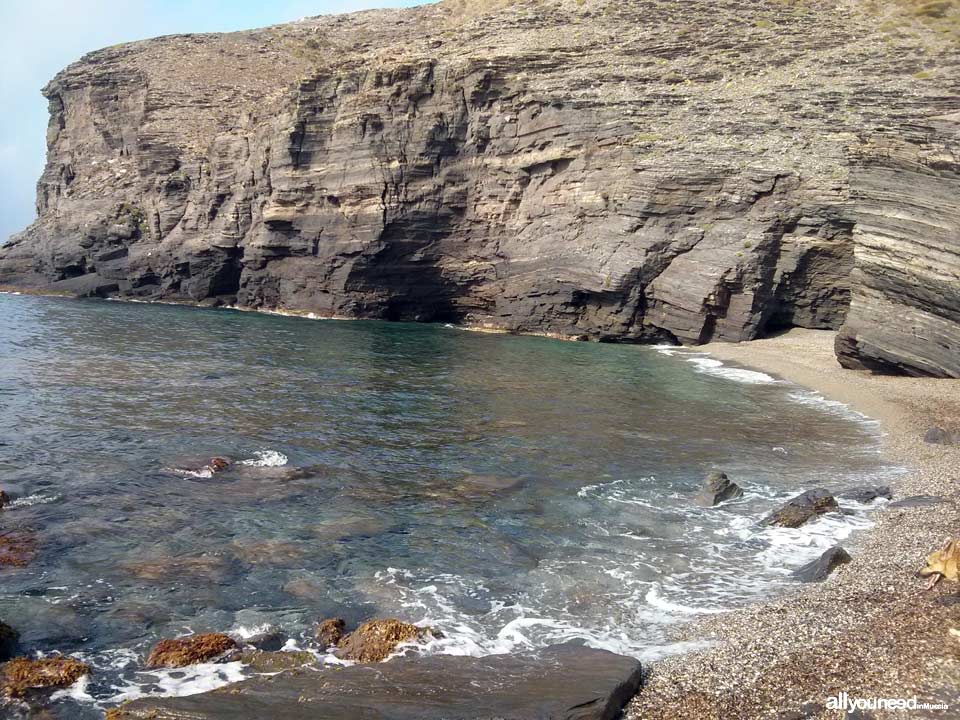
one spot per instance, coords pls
(718, 488)
(8, 641)
(191, 650)
(330, 631)
(820, 569)
(939, 436)
(4, 499)
(376, 640)
(270, 641)
(867, 493)
(803, 508)
(561, 682)
(17, 548)
(916, 501)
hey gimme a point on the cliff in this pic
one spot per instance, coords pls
(652, 170)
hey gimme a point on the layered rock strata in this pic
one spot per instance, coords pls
(641, 171)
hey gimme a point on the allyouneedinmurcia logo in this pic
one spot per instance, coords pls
(843, 701)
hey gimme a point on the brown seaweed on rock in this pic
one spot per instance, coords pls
(376, 640)
(17, 549)
(21, 675)
(190, 650)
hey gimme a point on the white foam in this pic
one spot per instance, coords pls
(266, 458)
(77, 691)
(205, 472)
(180, 682)
(655, 599)
(37, 499)
(711, 366)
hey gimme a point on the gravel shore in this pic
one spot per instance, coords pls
(870, 630)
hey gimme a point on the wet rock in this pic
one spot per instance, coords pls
(376, 640)
(191, 650)
(330, 632)
(8, 641)
(867, 493)
(939, 436)
(262, 661)
(4, 499)
(718, 488)
(804, 507)
(916, 501)
(17, 549)
(21, 675)
(218, 464)
(568, 682)
(270, 641)
(819, 569)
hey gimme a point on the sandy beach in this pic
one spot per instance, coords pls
(871, 630)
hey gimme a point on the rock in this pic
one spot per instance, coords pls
(4, 499)
(820, 569)
(718, 488)
(263, 661)
(413, 168)
(566, 682)
(270, 641)
(191, 650)
(376, 640)
(218, 464)
(330, 632)
(867, 493)
(17, 548)
(939, 436)
(8, 641)
(21, 675)
(802, 508)
(916, 501)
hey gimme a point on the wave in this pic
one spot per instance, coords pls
(266, 458)
(711, 366)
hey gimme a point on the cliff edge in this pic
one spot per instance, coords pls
(652, 170)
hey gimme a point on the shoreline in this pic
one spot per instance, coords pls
(870, 629)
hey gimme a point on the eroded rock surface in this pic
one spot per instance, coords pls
(799, 510)
(563, 682)
(633, 171)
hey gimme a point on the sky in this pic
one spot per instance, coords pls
(40, 37)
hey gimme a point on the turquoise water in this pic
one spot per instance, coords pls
(514, 491)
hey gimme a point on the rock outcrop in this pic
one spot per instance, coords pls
(181, 652)
(640, 171)
(566, 682)
(718, 488)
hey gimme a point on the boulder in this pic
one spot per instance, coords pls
(565, 682)
(21, 675)
(804, 507)
(376, 640)
(4, 499)
(330, 631)
(867, 493)
(939, 436)
(269, 641)
(718, 488)
(819, 569)
(8, 641)
(191, 650)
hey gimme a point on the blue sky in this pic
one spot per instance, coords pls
(39, 37)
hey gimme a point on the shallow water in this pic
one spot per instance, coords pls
(513, 491)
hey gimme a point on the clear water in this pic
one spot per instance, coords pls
(513, 491)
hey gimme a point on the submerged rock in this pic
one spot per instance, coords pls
(8, 641)
(190, 650)
(330, 631)
(867, 493)
(17, 549)
(567, 682)
(797, 511)
(819, 569)
(376, 640)
(263, 661)
(718, 488)
(21, 675)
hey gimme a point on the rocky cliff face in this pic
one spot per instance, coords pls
(639, 171)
